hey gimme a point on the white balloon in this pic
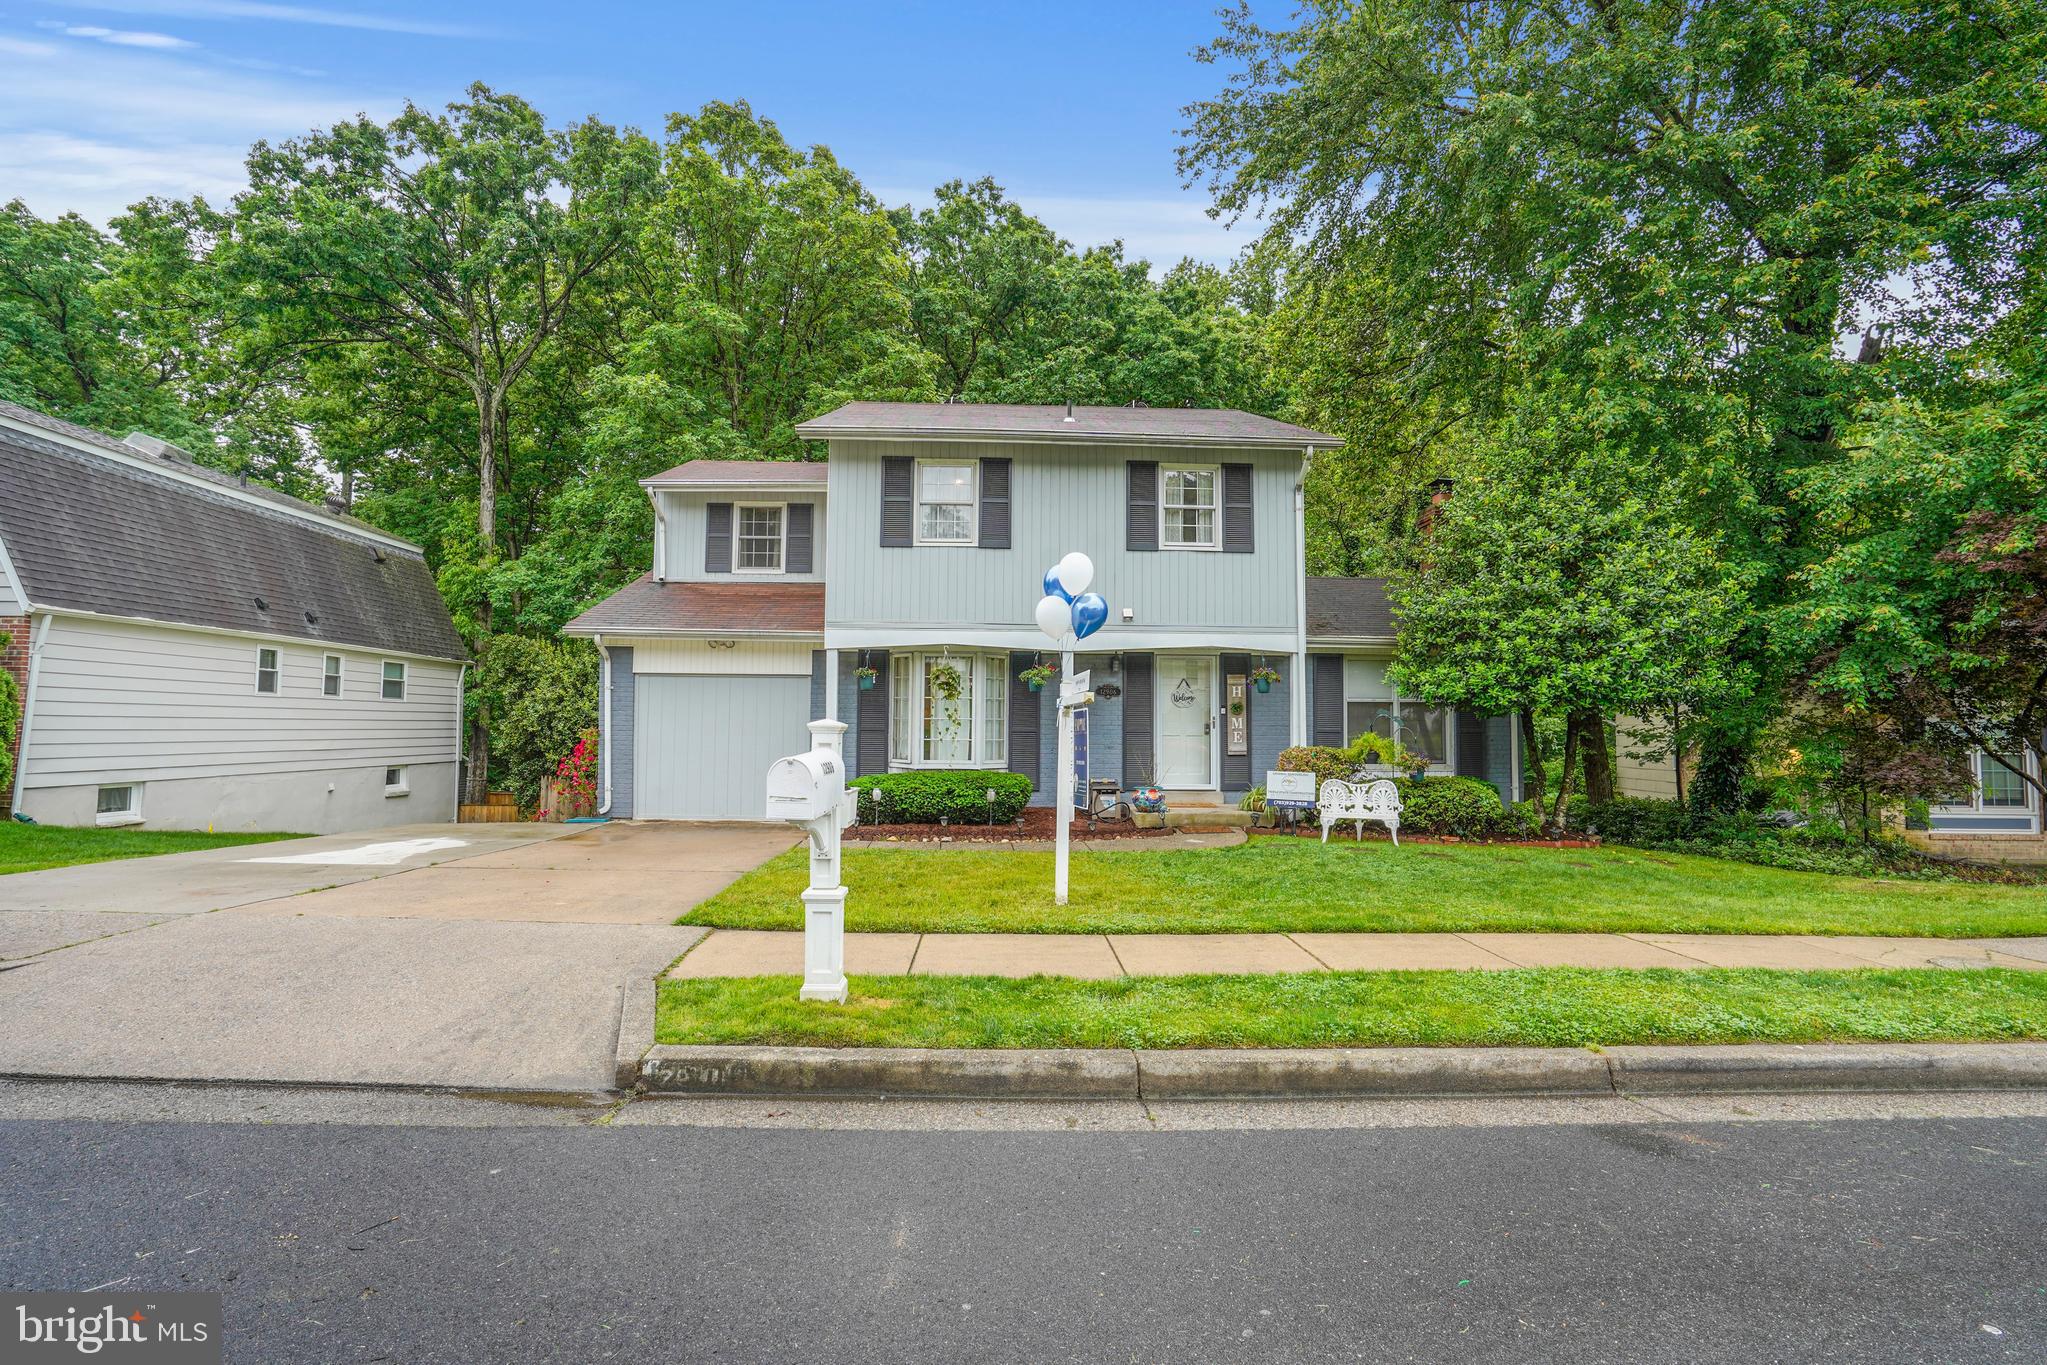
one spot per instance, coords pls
(1075, 572)
(1054, 616)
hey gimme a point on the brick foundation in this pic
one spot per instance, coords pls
(14, 659)
(1983, 847)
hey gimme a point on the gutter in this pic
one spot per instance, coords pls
(604, 720)
(39, 635)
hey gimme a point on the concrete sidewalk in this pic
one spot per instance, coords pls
(746, 952)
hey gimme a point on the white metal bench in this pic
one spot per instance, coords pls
(1359, 802)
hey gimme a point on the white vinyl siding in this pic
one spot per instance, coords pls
(118, 703)
(790, 658)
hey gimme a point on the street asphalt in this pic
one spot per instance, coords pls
(401, 1228)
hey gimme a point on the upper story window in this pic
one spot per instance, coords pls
(266, 672)
(394, 680)
(1187, 507)
(330, 675)
(759, 537)
(945, 502)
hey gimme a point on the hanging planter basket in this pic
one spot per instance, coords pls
(866, 677)
(1036, 676)
(1263, 678)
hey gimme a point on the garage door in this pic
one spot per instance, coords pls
(702, 745)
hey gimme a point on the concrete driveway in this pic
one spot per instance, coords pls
(451, 955)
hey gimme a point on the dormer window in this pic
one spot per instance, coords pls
(760, 538)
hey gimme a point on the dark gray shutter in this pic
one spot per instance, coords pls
(994, 505)
(1237, 515)
(796, 556)
(1328, 704)
(898, 474)
(1470, 745)
(1023, 719)
(871, 712)
(1237, 767)
(1142, 532)
(1137, 718)
(718, 538)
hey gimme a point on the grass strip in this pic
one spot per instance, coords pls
(1280, 885)
(1541, 1006)
(30, 848)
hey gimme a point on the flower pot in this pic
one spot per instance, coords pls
(1264, 685)
(1034, 686)
(866, 683)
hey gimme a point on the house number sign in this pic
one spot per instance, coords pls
(1237, 730)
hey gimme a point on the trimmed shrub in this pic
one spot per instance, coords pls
(924, 798)
(1463, 806)
(1318, 759)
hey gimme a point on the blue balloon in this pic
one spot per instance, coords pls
(1052, 586)
(1089, 611)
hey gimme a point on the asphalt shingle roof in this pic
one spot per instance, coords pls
(98, 534)
(744, 471)
(1349, 608)
(992, 421)
(735, 608)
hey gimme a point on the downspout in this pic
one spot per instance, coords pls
(604, 722)
(660, 538)
(461, 733)
(1297, 721)
(39, 635)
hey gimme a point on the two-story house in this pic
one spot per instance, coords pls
(193, 651)
(891, 586)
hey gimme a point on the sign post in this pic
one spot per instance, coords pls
(1068, 613)
(809, 790)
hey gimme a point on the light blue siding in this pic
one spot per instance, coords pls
(1500, 738)
(621, 723)
(684, 538)
(707, 741)
(1062, 498)
(1271, 713)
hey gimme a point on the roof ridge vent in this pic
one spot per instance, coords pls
(158, 447)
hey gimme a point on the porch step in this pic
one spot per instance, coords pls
(1209, 817)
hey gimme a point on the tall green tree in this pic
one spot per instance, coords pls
(1624, 186)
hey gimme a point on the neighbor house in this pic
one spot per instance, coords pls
(194, 652)
(891, 586)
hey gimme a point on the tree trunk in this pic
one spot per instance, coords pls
(1677, 751)
(1556, 815)
(1531, 758)
(488, 404)
(1598, 762)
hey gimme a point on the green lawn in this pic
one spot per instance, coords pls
(26, 848)
(1551, 1006)
(1301, 885)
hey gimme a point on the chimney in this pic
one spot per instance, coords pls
(1439, 493)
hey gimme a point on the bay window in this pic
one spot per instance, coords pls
(948, 710)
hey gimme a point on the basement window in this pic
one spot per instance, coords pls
(395, 783)
(120, 805)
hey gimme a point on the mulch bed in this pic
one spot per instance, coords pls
(1307, 831)
(1036, 822)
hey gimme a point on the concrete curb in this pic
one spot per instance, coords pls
(635, 1030)
(1336, 1073)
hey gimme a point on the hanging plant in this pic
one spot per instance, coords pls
(1263, 678)
(1035, 676)
(947, 681)
(866, 677)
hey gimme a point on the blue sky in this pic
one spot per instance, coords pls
(1074, 108)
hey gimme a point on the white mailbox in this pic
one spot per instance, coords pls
(809, 789)
(805, 786)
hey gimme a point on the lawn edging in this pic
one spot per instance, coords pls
(1333, 1073)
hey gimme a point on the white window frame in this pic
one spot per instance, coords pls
(1975, 805)
(781, 509)
(384, 679)
(132, 815)
(1393, 700)
(985, 670)
(276, 671)
(973, 503)
(339, 675)
(403, 786)
(1213, 508)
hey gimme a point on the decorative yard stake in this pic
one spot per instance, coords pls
(1068, 612)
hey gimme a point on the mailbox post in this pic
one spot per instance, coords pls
(809, 790)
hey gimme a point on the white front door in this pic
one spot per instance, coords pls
(1186, 693)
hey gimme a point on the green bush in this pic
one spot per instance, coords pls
(1463, 806)
(1318, 759)
(924, 798)
(536, 698)
(10, 719)
(1633, 820)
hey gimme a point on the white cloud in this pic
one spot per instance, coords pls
(119, 37)
(92, 128)
(284, 14)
